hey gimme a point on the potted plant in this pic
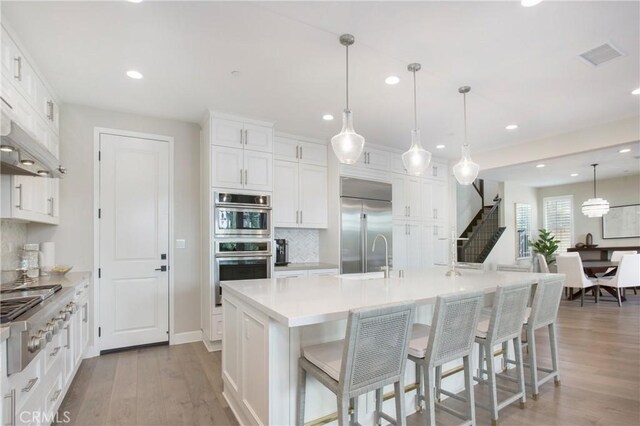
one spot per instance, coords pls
(546, 244)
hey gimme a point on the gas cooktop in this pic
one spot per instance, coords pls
(12, 308)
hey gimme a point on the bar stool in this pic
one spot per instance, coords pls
(372, 355)
(543, 312)
(450, 337)
(502, 325)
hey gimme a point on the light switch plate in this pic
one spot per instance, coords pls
(181, 244)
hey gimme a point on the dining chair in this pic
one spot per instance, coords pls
(372, 355)
(570, 264)
(615, 257)
(542, 263)
(627, 275)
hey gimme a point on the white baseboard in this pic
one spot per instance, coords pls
(212, 346)
(186, 337)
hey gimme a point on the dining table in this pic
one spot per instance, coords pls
(594, 267)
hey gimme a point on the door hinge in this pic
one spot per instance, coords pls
(99, 272)
(99, 331)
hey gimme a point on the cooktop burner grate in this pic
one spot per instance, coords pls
(13, 308)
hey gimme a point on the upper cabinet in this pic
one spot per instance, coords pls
(32, 199)
(241, 153)
(294, 149)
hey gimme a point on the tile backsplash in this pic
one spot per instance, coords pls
(304, 244)
(13, 236)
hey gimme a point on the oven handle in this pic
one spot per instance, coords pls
(247, 256)
(244, 207)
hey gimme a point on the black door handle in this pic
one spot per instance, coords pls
(163, 268)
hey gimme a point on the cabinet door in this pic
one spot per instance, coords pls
(32, 194)
(399, 253)
(440, 201)
(41, 131)
(53, 188)
(313, 196)
(437, 170)
(285, 149)
(16, 102)
(313, 153)
(397, 166)
(378, 160)
(323, 272)
(412, 192)
(227, 133)
(398, 197)
(290, 274)
(9, 53)
(440, 245)
(427, 199)
(255, 367)
(258, 138)
(227, 167)
(285, 193)
(414, 246)
(258, 170)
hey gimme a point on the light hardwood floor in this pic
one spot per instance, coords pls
(181, 385)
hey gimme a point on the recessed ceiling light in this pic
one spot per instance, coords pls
(43, 173)
(7, 148)
(392, 79)
(327, 117)
(574, 174)
(636, 92)
(529, 3)
(511, 127)
(540, 166)
(440, 146)
(27, 162)
(136, 75)
(624, 150)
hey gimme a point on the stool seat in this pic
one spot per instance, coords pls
(483, 327)
(326, 356)
(419, 340)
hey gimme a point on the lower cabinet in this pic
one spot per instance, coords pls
(305, 273)
(407, 245)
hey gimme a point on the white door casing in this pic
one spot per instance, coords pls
(134, 184)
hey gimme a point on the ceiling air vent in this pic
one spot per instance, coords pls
(601, 54)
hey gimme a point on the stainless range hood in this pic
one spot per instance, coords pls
(21, 154)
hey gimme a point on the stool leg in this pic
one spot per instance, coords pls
(553, 342)
(354, 415)
(376, 416)
(438, 382)
(533, 363)
(428, 394)
(302, 384)
(505, 356)
(480, 362)
(343, 410)
(401, 413)
(491, 375)
(468, 388)
(517, 345)
(420, 390)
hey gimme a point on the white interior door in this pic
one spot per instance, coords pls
(134, 238)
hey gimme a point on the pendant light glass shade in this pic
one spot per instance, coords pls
(347, 145)
(466, 171)
(416, 159)
(595, 207)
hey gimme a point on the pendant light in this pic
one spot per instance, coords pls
(416, 159)
(466, 171)
(595, 207)
(347, 145)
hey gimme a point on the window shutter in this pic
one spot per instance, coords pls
(558, 218)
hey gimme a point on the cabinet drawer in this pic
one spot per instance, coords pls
(54, 350)
(321, 272)
(27, 382)
(290, 274)
(53, 394)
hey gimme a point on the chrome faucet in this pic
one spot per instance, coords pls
(386, 253)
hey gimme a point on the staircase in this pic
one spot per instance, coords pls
(482, 234)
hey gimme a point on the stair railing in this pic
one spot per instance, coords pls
(483, 233)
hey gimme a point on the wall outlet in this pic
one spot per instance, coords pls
(181, 244)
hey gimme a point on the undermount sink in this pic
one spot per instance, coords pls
(365, 276)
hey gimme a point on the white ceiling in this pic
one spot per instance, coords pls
(557, 171)
(522, 63)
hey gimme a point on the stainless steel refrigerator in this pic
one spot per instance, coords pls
(365, 212)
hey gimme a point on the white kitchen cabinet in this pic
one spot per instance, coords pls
(258, 171)
(240, 134)
(436, 244)
(236, 168)
(18, 105)
(434, 200)
(293, 149)
(406, 196)
(322, 272)
(300, 195)
(407, 245)
(437, 170)
(29, 198)
(305, 273)
(216, 327)
(372, 158)
(46, 106)
(16, 67)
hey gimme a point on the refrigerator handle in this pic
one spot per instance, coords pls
(364, 242)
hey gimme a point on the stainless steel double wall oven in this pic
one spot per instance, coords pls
(242, 238)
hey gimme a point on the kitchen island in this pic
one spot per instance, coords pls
(267, 321)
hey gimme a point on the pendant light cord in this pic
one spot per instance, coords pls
(464, 102)
(415, 103)
(347, 73)
(594, 180)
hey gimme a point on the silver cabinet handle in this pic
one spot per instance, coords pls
(297, 150)
(68, 345)
(19, 188)
(241, 175)
(55, 351)
(435, 170)
(5, 102)
(55, 396)
(300, 216)
(50, 110)
(51, 206)
(12, 413)
(301, 152)
(246, 179)
(435, 230)
(30, 385)
(18, 60)
(297, 215)
(435, 213)
(409, 210)
(246, 137)
(85, 313)
(241, 141)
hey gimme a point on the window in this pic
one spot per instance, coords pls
(523, 230)
(558, 218)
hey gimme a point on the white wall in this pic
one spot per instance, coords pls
(618, 191)
(74, 235)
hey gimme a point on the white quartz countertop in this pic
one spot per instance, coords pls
(306, 266)
(310, 300)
